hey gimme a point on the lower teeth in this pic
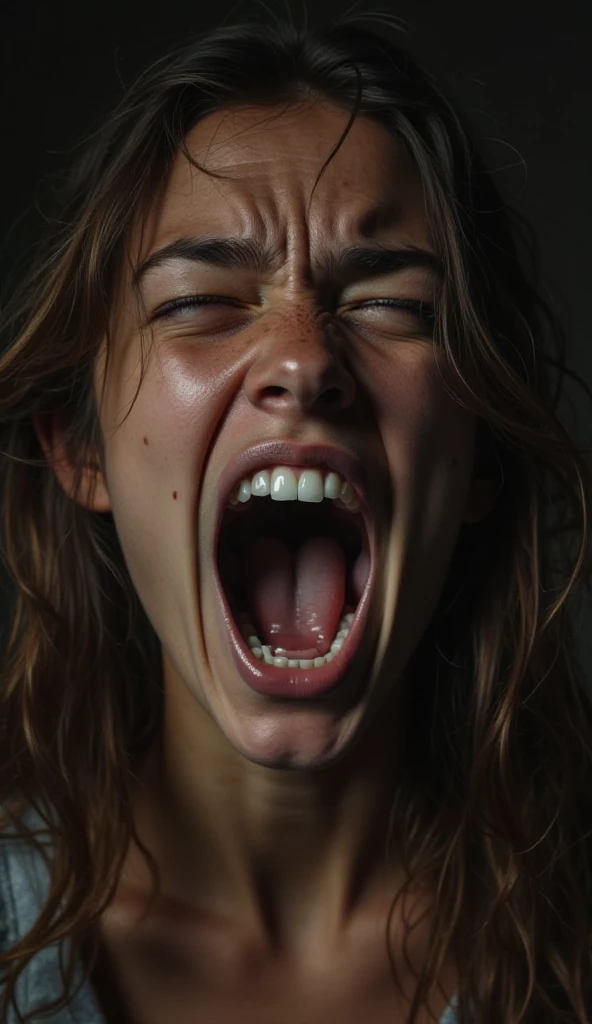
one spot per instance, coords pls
(274, 656)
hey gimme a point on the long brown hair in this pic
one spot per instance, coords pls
(497, 797)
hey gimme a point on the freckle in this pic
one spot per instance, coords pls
(175, 495)
(145, 440)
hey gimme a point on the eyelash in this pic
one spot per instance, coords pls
(423, 310)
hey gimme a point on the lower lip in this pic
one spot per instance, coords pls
(294, 683)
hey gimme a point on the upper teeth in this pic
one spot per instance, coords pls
(284, 484)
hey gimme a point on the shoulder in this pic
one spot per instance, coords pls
(449, 1016)
(24, 881)
(5, 903)
(24, 886)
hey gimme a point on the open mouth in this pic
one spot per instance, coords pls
(294, 567)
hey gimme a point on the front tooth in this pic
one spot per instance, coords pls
(310, 486)
(260, 484)
(244, 491)
(283, 485)
(333, 485)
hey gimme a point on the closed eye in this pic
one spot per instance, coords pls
(189, 302)
(422, 311)
(425, 310)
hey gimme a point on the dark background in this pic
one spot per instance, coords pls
(520, 70)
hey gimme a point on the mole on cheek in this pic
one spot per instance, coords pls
(175, 495)
(145, 440)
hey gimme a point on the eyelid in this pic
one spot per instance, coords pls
(420, 307)
(187, 301)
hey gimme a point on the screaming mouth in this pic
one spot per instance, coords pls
(293, 559)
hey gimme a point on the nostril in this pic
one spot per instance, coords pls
(274, 390)
(332, 396)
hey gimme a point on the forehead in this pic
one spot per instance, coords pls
(270, 158)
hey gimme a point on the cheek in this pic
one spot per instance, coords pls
(428, 441)
(428, 438)
(166, 437)
(154, 466)
(410, 400)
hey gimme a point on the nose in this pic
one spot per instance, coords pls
(300, 368)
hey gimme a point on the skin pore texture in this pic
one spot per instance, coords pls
(268, 818)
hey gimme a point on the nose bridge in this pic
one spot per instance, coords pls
(306, 326)
(300, 365)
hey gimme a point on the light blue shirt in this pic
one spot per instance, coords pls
(24, 881)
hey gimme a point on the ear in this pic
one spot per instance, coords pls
(480, 499)
(93, 495)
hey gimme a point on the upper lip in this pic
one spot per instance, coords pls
(290, 453)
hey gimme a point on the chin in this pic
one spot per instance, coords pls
(294, 739)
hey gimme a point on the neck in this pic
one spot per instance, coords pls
(287, 855)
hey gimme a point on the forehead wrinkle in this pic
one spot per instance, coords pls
(272, 210)
(276, 221)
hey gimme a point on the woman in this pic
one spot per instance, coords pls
(290, 682)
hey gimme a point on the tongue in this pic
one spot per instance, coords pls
(296, 597)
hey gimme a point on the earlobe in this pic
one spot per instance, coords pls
(480, 499)
(93, 493)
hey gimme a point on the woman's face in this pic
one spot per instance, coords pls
(301, 348)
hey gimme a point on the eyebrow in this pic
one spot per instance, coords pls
(248, 254)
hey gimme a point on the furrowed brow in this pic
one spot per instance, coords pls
(375, 261)
(247, 254)
(227, 253)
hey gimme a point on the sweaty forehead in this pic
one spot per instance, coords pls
(270, 159)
